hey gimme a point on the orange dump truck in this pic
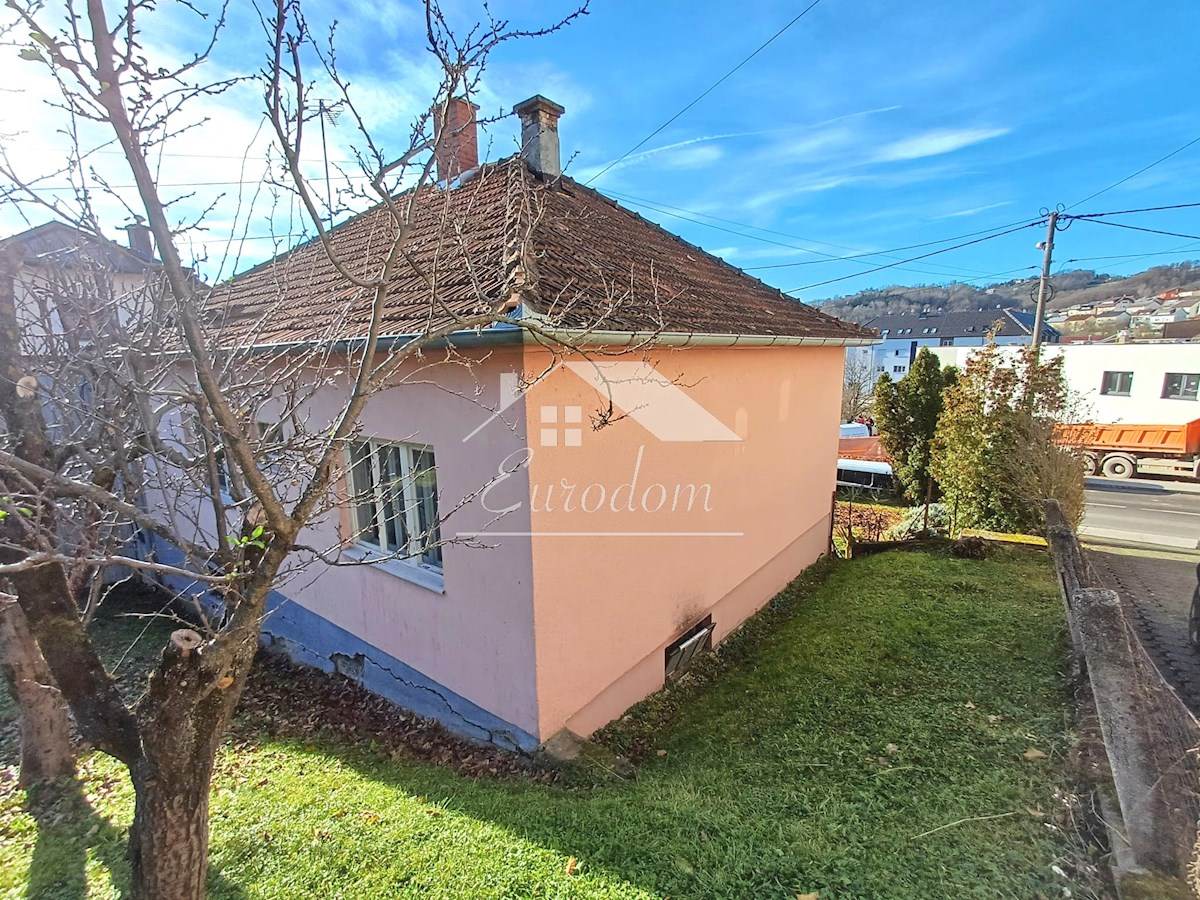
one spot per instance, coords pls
(1121, 451)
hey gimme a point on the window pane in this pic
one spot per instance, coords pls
(1181, 386)
(391, 472)
(1117, 383)
(362, 484)
(424, 480)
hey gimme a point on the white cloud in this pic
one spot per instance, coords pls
(936, 142)
(973, 210)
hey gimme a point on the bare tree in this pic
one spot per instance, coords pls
(858, 385)
(171, 441)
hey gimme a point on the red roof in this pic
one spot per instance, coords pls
(506, 237)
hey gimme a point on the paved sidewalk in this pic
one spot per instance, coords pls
(1159, 588)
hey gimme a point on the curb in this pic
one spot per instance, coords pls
(1139, 537)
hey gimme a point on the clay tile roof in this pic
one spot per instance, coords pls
(503, 237)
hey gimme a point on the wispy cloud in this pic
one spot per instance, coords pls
(664, 152)
(936, 142)
(973, 210)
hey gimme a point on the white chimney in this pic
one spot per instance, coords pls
(539, 134)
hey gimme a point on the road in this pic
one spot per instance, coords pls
(1141, 538)
(1143, 511)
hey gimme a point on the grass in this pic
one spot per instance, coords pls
(859, 737)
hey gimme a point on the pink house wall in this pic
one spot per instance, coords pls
(567, 627)
(476, 638)
(606, 605)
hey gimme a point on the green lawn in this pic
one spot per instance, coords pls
(880, 701)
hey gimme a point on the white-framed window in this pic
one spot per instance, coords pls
(395, 503)
(1181, 386)
(1116, 384)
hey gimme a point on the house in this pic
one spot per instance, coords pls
(903, 336)
(50, 263)
(1152, 383)
(537, 538)
(1157, 318)
(1112, 320)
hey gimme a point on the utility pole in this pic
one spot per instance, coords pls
(1039, 317)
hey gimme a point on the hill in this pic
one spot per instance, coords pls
(1077, 286)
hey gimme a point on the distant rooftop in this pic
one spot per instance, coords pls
(975, 323)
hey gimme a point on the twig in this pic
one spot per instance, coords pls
(961, 822)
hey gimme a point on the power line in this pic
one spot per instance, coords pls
(826, 257)
(915, 258)
(1190, 237)
(886, 253)
(1195, 140)
(678, 215)
(1126, 212)
(1192, 248)
(716, 85)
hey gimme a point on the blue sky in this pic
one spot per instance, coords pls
(868, 125)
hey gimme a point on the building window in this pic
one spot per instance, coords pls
(394, 489)
(897, 369)
(1117, 384)
(946, 342)
(898, 353)
(1181, 386)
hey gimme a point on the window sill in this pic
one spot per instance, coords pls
(1193, 399)
(419, 575)
(1114, 394)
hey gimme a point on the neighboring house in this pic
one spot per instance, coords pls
(589, 550)
(903, 336)
(54, 264)
(1152, 383)
(1112, 320)
(1157, 318)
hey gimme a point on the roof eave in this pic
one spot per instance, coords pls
(572, 337)
(585, 337)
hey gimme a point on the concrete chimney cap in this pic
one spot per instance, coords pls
(538, 103)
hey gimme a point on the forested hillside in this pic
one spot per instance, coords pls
(1077, 286)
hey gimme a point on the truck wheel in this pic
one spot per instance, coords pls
(1118, 466)
(1090, 463)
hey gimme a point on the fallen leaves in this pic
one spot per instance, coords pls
(571, 867)
(283, 699)
(1034, 753)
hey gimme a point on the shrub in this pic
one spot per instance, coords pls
(971, 547)
(914, 522)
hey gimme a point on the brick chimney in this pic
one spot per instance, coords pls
(539, 134)
(138, 236)
(457, 150)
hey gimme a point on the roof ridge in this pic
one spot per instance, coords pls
(519, 263)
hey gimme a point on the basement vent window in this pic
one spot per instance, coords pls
(683, 651)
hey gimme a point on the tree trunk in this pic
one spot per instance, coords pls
(182, 718)
(168, 843)
(46, 752)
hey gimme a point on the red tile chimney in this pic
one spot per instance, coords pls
(457, 148)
